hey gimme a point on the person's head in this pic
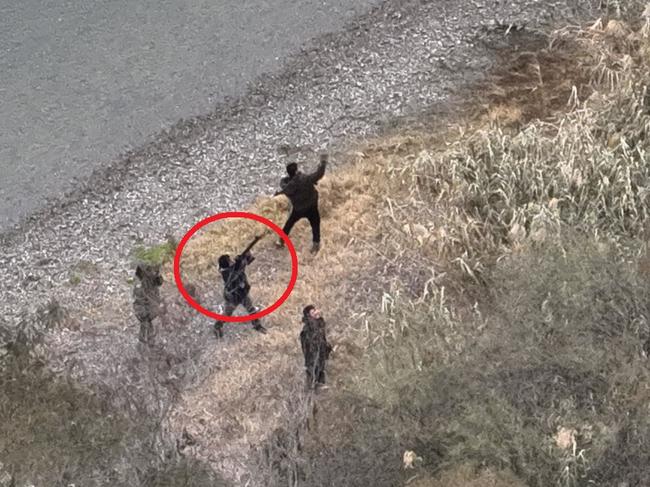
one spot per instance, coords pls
(292, 169)
(311, 311)
(149, 274)
(224, 261)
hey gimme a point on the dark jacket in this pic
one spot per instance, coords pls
(313, 341)
(301, 188)
(146, 302)
(236, 285)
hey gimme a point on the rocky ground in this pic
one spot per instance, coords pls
(388, 67)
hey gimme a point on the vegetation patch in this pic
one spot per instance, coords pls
(157, 254)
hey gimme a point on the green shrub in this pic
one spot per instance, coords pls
(157, 254)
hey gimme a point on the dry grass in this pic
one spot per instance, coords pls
(468, 476)
(491, 384)
(408, 216)
(266, 367)
(586, 169)
(551, 342)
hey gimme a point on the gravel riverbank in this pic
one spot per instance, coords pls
(83, 82)
(391, 64)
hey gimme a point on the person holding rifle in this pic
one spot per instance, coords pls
(236, 286)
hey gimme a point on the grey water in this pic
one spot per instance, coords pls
(82, 81)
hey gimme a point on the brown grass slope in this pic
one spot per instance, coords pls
(470, 387)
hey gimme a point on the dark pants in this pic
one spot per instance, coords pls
(146, 331)
(230, 307)
(311, 214)
(315, 375)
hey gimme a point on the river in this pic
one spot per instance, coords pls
(82, 81)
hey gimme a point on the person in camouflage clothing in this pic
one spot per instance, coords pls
(146, 299)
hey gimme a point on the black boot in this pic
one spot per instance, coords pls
(146, 332)
(259, 327)
(218, 329)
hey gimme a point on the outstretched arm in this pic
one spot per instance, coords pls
(314, 177)
(243, 260)
(287, 188)
(284, 183)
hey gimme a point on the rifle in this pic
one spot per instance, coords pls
(250, 245)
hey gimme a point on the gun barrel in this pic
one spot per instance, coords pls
(252, 244)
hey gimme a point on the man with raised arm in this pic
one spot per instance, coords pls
(301, 190)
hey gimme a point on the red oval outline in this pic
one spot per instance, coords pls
(235, 214)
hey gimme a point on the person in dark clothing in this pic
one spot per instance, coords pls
(315, 348)
(146, 299)
(301, 190)
(236, 288)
